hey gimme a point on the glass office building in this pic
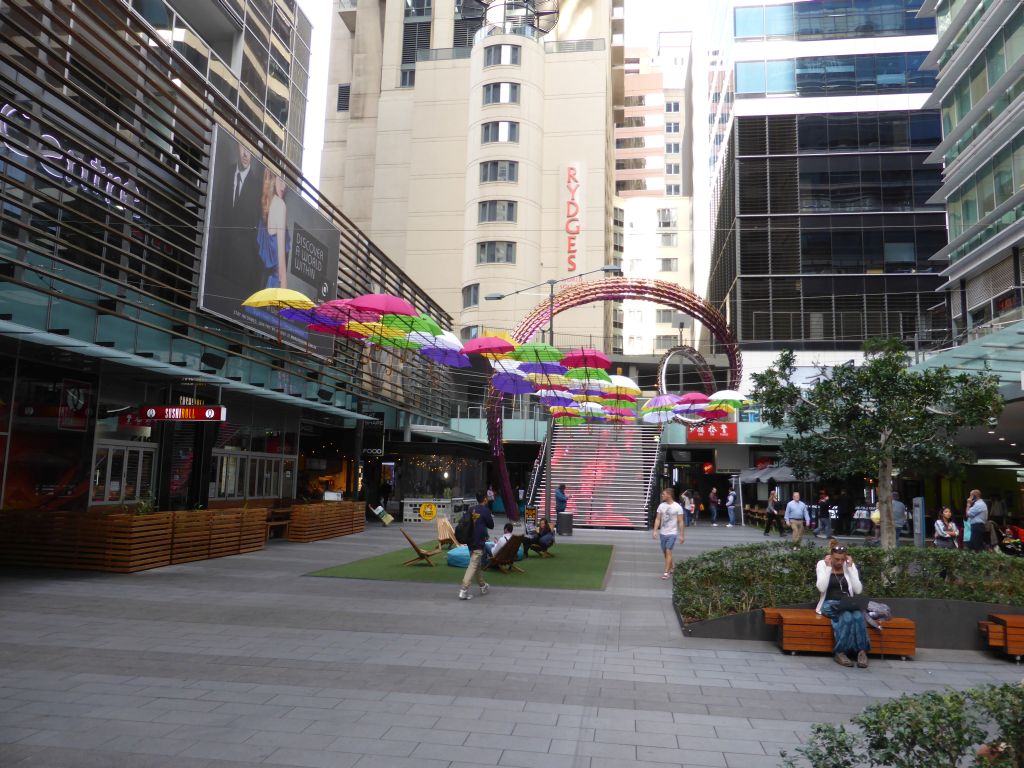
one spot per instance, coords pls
(980, 93)
(823, 227)
(108, 113)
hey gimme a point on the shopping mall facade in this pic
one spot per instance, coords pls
(128, 369)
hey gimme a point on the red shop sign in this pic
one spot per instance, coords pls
(712, 433)
(183, 413)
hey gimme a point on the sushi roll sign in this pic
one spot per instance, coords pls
(183, 413)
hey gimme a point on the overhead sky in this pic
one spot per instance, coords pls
(319, 13)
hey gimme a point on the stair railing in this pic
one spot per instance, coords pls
(538, 467)
(651, 479)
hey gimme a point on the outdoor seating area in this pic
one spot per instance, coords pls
(802, 629)
(1004, 632)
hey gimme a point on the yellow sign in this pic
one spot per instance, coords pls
(428, 510)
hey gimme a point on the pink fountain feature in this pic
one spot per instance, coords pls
(660, 292)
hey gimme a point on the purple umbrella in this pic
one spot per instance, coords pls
(511, 384)
(557, 400)
(450, 357)
(553, 368)
(308, 316)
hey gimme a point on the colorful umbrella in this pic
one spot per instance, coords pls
(547, 381)
(537, 352)
(375, 329)
(341, 310)
(556, 399)
(657, 417)
(506, 366)
(661, 402)
(399, 342)
(382, 304)
(303, 315)
(487, 345)
(728, 398)
(570, 421)
(278, 298)
(450, 357)
(542, 368)
(511, 384)
(624, 385)
(409, 323)
(337, 330)
(586, 358)
(589, 376)
(713, 413)
(691, 402)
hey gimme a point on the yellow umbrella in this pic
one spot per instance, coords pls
(278, 298)
(376, 329)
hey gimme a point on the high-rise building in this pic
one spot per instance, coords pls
(149, 184)
(823, 223)
(473, 142)
(654, 184)
(980, 92)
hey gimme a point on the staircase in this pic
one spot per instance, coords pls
(607, 471)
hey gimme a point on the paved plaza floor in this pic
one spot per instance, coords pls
(245, 661)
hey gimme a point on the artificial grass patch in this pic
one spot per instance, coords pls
(574, 566)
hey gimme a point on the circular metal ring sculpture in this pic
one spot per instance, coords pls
(707, 377)
(660, 292)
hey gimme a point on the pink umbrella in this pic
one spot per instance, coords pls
(487, 345)
(382, 304)
(342, 310)
(691, 402)
(714, 413)
(586, 358)
(336, 330)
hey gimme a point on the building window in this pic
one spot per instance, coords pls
(664, 316)
(836, 75)
(496, 55)
(664, 342)
(668, 265)
(630, 142)
(496, 210)
(671, 127)
(673, 190)
(469, 332)
(671, 106)
(634, 121)
(122, 474)
(618, 242)
(618, 217)
(417, 8)
(501, 93)
(667, 217)
(496, 252)
(471, 296)
(344, 91)
(635, 101)
(499, 170)
(668, 239)
(407, 78)
(672, 148)
(631, 164)
(673, 169)
(504, 131)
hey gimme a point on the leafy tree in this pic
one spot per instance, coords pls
(875, 418)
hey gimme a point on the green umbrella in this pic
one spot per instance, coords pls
(407, 324)
(588, 374)
(537, 352)
(386, 341)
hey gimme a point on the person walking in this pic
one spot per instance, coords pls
(824, 516)
(797, 516)
(713, 506)
(977, 516)
(773, 515)
(946, 532)
(730, 507)
(688, 508)
(666, 524)
(899, 514)
(482, 522)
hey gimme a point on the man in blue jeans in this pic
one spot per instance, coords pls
(730, 507)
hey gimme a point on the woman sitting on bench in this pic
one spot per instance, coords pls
(838, 581)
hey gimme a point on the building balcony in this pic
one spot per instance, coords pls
(347, 11)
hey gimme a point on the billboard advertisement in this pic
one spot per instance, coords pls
(259, 234)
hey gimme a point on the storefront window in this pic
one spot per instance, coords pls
(122, 474)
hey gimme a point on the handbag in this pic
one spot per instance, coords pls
(850, 604)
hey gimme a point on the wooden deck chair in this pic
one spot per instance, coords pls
(506, 559)
(541, 551)
(445, 533)
(421, 554)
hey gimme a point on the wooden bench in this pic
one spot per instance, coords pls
(801, 629)
(1005, 632)
(278, 521)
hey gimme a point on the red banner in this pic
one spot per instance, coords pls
(182, 413)
(714, 432)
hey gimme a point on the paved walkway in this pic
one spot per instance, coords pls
(243, 661)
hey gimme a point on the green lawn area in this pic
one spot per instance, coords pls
(574, 566)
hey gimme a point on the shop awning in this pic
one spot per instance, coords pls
(87, 349)
(780, 473)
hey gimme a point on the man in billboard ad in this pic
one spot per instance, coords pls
(260, 233)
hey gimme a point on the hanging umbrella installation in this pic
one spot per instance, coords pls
(537, 352)
(278, 298)
(487, 345)
(383, 304)
(444, 356)
(586, 358)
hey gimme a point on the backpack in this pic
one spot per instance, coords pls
(464, 530)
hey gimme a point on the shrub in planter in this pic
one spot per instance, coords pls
(925, 730)
(738, 579)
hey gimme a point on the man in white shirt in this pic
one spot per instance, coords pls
(502, 540)
(666, 523)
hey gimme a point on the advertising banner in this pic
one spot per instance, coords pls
(712, 433)
(259, 234)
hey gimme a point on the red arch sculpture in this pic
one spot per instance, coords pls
(707, 376)
(610, 289)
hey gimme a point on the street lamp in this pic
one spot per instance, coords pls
(607, 269)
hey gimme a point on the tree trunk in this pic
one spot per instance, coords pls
(887, 526)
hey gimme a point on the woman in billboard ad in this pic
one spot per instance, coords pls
(274, 240)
